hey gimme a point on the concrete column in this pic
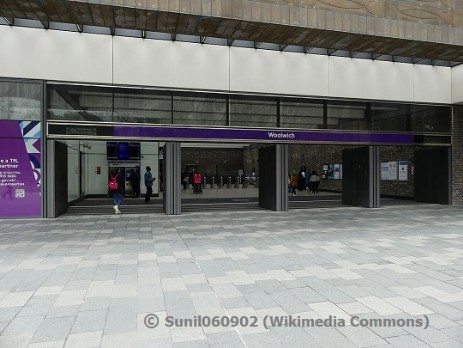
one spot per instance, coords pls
(171, 175)
(273, 177)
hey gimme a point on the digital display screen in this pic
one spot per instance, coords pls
(111, 150)
(134, 151)
(123, 151)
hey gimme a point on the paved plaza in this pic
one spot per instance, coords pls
(340, 277)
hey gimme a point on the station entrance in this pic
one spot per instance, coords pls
(239, 176)
(83, 167)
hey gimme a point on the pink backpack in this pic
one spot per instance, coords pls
(112, 184)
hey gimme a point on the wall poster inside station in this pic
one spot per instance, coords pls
(336, 174)
(403, 170)
(332, 171)
(389, 170)
(20, 168)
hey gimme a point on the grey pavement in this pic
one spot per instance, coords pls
(338, 277)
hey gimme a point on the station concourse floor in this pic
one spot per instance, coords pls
(231, 199)
(97, 281)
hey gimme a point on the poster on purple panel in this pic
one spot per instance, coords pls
(20, 169)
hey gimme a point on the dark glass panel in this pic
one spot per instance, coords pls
(20, 100)
(305, 114)
(253, 112)
(345, 115)
(430, 119)
(82, 103)
(200, 109)
(389, 117)
(142, 106)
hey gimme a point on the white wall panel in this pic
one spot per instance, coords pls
(150, 157)
(103, 59)
(96, 157)
(263, 71)
(432, 84)
(170, 64)
(457, 84)
(55, 55)
(368, 79)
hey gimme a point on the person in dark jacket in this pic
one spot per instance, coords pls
(118, 193)
(135, 182)
(149, 184)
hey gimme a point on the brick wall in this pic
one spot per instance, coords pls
(226, 162)
(314, 156)
(457, 154)
(212, 162)
(250, 160)
(398, 188)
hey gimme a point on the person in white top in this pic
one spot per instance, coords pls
(314, 182)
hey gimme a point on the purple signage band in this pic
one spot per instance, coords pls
(20, 169)
(177, 133)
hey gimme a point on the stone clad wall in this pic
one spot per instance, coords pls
(443, 12)
(431, 20)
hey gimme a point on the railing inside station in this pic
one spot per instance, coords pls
(226, 182)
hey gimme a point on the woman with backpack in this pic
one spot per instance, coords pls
(116, 185)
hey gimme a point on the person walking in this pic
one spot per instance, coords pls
(149, 184)
(116, 185)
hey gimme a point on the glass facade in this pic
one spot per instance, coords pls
(389, 117)
(253, 112)
(20, 100)
(142, 106)
(201, 110)
(305, 114)
(430, 119)
(346, 115)
(80, 103)
(110, 104)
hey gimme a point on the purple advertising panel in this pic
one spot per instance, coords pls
(20, 169)
(277, 136)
